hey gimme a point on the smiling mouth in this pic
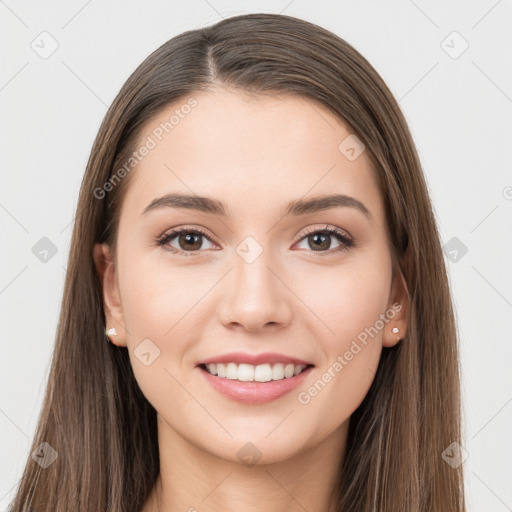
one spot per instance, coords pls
(251, 373)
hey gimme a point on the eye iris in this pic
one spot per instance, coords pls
(322, 244)
(190, 237)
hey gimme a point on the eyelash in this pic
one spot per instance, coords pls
(347, 243)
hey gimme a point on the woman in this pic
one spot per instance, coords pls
(256, 312)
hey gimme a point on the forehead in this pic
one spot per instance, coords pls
(253, 153)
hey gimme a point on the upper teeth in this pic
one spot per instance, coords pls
(250, 373)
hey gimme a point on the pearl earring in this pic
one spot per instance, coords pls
(110, 332)
(395, 330)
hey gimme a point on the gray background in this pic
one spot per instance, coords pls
(458, 106)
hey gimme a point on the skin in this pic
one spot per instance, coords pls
(255, 154)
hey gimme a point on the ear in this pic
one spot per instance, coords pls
(111, 298)
(399, 303)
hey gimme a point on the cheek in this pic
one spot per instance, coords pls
(354, 309)
(347, 301)
(158, 305)
(157, 296)
(357, 308)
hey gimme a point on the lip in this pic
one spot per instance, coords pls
(253, 393)
(254, 359)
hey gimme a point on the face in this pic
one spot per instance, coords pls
(258, 281)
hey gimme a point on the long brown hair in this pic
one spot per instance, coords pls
(94, 415)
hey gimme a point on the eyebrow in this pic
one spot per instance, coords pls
(294, 208)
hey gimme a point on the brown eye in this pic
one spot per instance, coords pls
(188, 240)
(320, 241)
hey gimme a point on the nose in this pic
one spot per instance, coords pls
(255, 296)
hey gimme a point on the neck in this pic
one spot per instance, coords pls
(193, 480)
